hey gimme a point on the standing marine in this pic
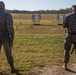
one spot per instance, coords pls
(70, 24)
(6, 35)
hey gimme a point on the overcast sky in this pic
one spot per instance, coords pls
(38, 4)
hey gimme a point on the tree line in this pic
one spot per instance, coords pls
(60, 11)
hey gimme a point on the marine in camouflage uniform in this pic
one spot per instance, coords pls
(70, 24)
(6, 34)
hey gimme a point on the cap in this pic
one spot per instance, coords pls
(74, 6)
(2, 5)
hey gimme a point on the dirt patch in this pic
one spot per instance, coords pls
(53, 70)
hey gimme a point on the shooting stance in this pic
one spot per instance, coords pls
(6, 35)
(70, 24)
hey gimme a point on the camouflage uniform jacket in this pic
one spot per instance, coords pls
(6, 26)
(70, 23)
(6, 22)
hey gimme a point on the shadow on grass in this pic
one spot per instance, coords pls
(16, 73)
(3, 73)
(37, 24)
(41, 25)
(60, 24)
(69, 70)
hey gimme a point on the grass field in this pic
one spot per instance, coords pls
(35, 45)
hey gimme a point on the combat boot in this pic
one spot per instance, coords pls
(64, 66)
(13, 69)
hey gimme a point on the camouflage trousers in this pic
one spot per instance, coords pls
(69, 40)
(7, 50)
